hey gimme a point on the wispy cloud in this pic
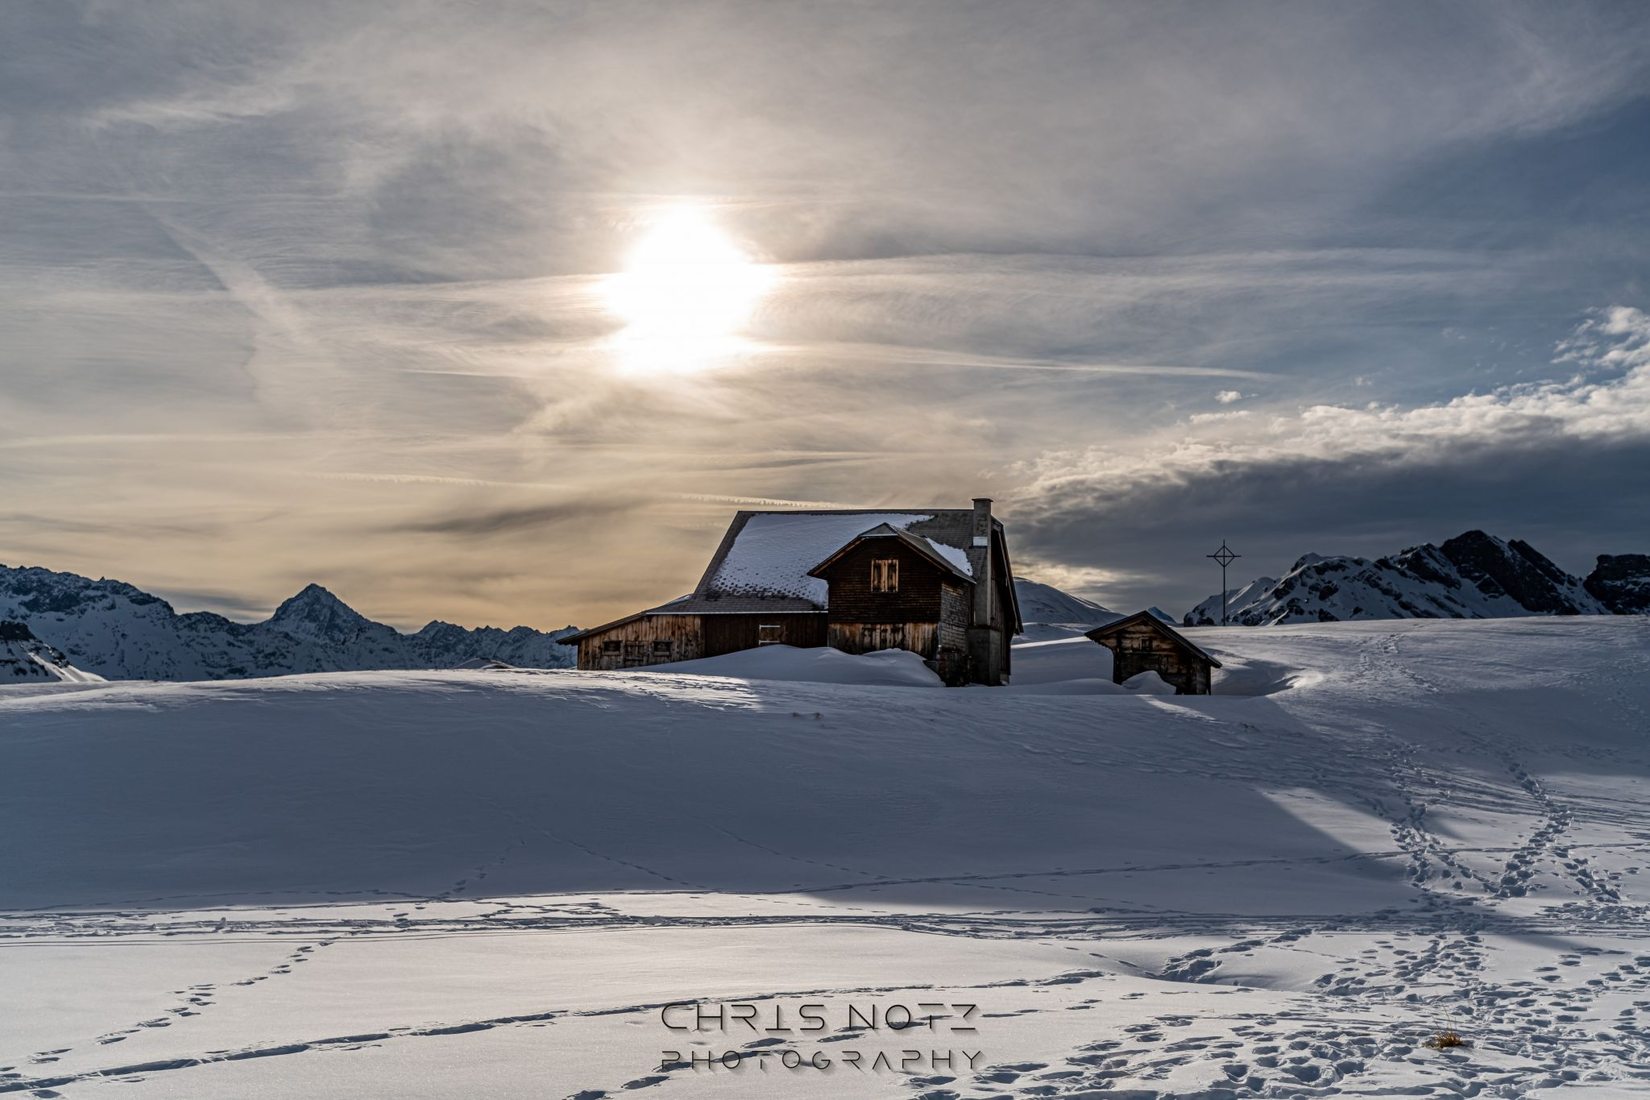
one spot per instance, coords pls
(1579, 409)
(1334, 471)
(537, 518)
(329, 275)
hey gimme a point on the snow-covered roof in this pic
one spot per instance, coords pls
(767, 555)
(956, 555)
(954, 561)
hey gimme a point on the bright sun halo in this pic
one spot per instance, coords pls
(685, 292)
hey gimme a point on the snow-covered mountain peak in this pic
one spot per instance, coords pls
(25, 658)
(437, 630)
(1048, 613)
(1474, 575)
(1043, 603)
(36, 590)
(1516, 570)
(1622, 583)
(121, 632)
(316, 613)
(310, 595)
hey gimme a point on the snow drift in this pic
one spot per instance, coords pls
(427, 884)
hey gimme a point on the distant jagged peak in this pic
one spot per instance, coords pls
(37, 590)
(1474, 575)
(1516, 570)
(310, 595)
(1622, 583)
(116, 630)
(1305, 560)
(440, 629)
(316, 611)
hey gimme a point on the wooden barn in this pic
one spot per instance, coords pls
(934, 581)
(1144, 643)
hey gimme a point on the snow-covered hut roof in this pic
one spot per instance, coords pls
(767, 555)
(956, 562)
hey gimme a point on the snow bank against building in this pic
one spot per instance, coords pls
(823, 665)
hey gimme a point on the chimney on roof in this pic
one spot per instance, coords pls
(979, 551)
(984, 610)
(982, 517)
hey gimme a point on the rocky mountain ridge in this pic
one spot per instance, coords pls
(1622, 583)
(1472, 576)
(120, 632)
(26, 659)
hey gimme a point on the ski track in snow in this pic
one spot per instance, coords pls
(1521, 921)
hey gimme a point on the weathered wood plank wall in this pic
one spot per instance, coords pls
(1141, 648)
(658, 639)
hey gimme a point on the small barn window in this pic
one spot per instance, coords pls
(770, 634)
(612, 645)
(885, 575)
(661, 648)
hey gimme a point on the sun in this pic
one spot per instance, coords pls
(685, 293)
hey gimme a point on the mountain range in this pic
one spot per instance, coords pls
(121, 632)
(65, 626)
(1472, 576)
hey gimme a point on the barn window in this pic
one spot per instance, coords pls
(661, 648)
(885, 575)
(612, 646)
(770, 634)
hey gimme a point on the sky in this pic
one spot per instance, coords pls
(336, 292)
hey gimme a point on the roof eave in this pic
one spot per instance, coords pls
(921, 546)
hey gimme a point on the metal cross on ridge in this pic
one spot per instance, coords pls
(1225, 557)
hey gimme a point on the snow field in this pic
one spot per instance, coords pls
(489, 882)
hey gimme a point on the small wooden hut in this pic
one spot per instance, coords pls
(1144, 643)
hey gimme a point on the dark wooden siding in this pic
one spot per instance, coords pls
(1141, 648)
(929, 614)
(852, 601)
(731, 633)
(649, 640)
(658, 639)
(919, 638)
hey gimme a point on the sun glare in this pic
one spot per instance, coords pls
(685, 293)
